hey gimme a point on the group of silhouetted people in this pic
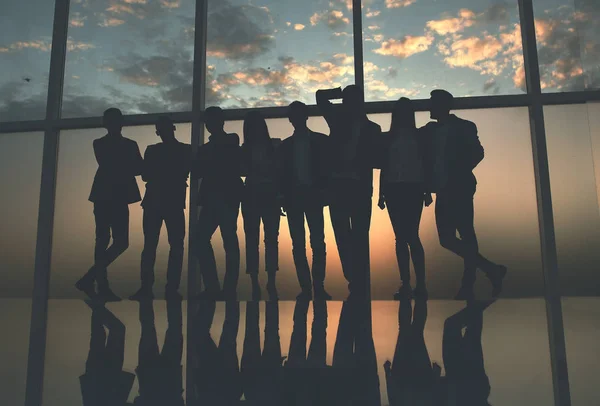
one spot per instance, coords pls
(296, 177)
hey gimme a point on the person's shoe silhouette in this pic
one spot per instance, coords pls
(304, 295)
(465, 293)
(321, 294)
(272, 291)
(496, 276)
(107, 295)
(86, 286)
(256, 293)
(210, 295)
(420, 293)
(172, 294)
(141, 295)
(405, 292)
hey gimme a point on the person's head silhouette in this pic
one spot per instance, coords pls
(441, 103)
(214, 120)
(255, 128)
(112, 120)
(165, 128)
(298, 114)
(403, 115)
(352, 100)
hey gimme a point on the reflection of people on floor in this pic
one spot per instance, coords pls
(307, 376)
(166, 170)
(454, 151)
(466, 382)
(262, 375)
(356, 381)
(410, 376)
(113, 190)
(217, 378)
(260, 200)
(159, 372)
(217, 164)
(104, 382)
(352, 142)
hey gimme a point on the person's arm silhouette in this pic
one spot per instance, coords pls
(327, 108)
(475, 149)
(149, 167)
(137, 164)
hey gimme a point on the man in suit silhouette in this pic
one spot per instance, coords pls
(353, 139)
(303, 184)
(166, 169)
(218, 165)
(454, 152)
(114, 189)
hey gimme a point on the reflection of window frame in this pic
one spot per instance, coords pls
(53, 124)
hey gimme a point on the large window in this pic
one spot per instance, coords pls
(25, 42)
(568, 43)
(270, 53)
(136, 55)
(470, 48)
(20, 174)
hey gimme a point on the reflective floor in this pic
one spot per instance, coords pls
(309, 353)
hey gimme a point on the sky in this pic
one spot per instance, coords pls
(138, 54)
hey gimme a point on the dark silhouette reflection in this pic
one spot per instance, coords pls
(104, 382)
(166, 169)
(303, 184)
(262, 375)
(466, 382)
(356, 381)
(216, 372)
(159, 372)
(114, 188)
(217, 164)
(307, 376)
(454, 151)
(411, 378)
(352, 156)
(260, 200)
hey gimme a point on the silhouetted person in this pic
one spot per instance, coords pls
(354, 358)
(260, 200)
(466, 382)
(454, 151)
(159, 372)
(218, 165)
(114, 189)
(402, 188)
(104, 382)
(307, 375)
(165, 171)
(352, 156)
(411, 377)
(303, 183)
(262, 375)
(217, 378)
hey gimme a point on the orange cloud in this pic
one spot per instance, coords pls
(466, 18)
(374, 13)
(399, 3)
(111, 22)
(77, 20)
(299, 27)
(476, 53)
(171, 4)
(407, 46)
(377, 88)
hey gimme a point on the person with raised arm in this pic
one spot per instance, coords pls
(352, 146)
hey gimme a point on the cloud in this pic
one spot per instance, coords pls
(77, 20)
(392, 73)
(111, 22)
(299, 27)
(373, 13)
(399, 3)
(40, 45)
(238, 32)
(490, 86)
(477, 53)
(333, 18)
(378, 90)
(171, 4)
(405, 47)
(374, 27)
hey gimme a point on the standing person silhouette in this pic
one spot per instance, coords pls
(114, 189)
(352, 155)
(402, 187)
(260, 200)
(303, 184)
(454, 151)
(218, 165)
(166, 169)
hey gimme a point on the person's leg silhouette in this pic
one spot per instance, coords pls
(175, 222)
(298, 234)
(207, 225)
(228, 226)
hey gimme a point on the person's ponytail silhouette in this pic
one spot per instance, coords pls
(260, 200)
(403, 189)
(114, 189)
(104, 381)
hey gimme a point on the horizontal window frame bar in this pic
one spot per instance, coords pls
(379, 107)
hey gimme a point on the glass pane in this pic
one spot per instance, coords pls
(505, 218)
(269, 53)
(25, 43)
(20, 177)
(137, 55)
(468, 48)
(74, 226)
(573, 134)
(568, 44)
